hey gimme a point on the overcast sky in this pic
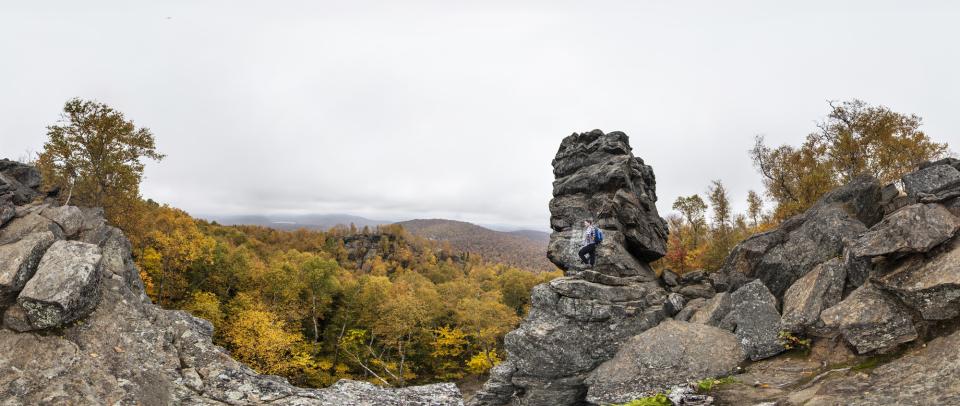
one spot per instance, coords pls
(395, 110)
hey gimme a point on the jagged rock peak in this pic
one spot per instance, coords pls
(599, 179)
(79, 329)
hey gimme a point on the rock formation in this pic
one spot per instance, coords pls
(78, 328)
(579, 321)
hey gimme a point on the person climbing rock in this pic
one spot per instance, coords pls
(591, 237)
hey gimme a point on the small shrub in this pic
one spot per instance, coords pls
(707, 384)
(792, 342)
(659, 399)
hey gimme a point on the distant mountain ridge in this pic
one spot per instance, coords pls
(523, 248)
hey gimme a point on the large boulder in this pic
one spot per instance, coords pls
(18, 262)
(813, 293)
(755, 321)
(870, 320)
(931, 180)
(931, 286)
(671, 353)
(781, 256)
(915, 228)
(69, 218)
(64, 287)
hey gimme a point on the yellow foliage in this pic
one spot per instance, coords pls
(481, 362)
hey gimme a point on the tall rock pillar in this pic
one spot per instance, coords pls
(579, 321)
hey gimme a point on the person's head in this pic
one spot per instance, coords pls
(587, 223)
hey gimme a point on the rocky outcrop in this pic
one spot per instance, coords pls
(95, 338)
(782, 256)
(912, 229)
(578, 322)
(669, 354)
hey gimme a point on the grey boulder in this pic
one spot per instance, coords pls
(674, 304)
(671, 353)
(69, 218)
(930, 181)
(27, 224)
(813, 293)
(714, 310)
(18, 262)
(929, 285)
(755, 321)
(869, 320)
(915, 228)
(64, 287)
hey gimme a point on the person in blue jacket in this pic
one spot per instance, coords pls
(591, 237)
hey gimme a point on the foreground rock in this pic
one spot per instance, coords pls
(672, 353)
(869, 319)
(578, 322)
(96, 339)
(912, 229)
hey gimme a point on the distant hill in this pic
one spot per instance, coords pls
(523, 248)
(295, 221)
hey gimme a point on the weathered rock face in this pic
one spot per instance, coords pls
(714, 310)
(781, 256)
(816, 291)
(930, 181)
(578, 322)
(96, 339)
(929, 285)
(870, 319)
(912, 229)
(671, 353)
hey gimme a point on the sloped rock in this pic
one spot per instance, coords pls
(581, 289)
(926, 376)
(930, 181)
(64, 287)
(781, 256)
(755, 320)
(699, 290)
(689, 309)
(29, 223)
(18, 262)
(671, 353)
(915, 228)
(69, 218)
(813, 293)
(714, 310)
(929, 285)
(870, 320)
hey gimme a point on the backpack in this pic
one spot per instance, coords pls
(597, 235)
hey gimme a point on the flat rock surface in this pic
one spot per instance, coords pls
(65, 285)
(812, 294)
(929, 285)
(915, 228)
(19, 261)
